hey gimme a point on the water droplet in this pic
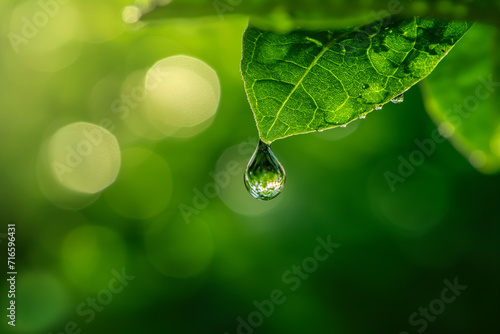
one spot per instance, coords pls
(264, 177)
(378, 107)
(398, 99)
(343, 125)
(362, 117)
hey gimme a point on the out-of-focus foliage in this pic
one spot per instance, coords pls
(286, 15)
(462, 96)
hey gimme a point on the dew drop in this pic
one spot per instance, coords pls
(398, 99)
(264, 177)
(378, 107)
(343, 125)
(362, 117)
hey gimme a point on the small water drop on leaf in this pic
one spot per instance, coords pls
(398, 99)
(378, 107)
(343, 125)
(264, 177)
(362, 117)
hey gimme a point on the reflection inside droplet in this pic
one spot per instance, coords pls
(232, 163)
(264, 177)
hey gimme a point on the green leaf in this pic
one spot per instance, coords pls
(462, 97)
(309, 81)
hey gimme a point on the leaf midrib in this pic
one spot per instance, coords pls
(307, 71)
(297, 85)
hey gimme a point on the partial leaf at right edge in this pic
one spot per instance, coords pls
(462, 96)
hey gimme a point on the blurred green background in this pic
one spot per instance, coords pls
(200, 274)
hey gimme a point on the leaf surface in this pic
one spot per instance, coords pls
(304, 81)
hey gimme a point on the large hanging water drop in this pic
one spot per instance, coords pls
(264, 177)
